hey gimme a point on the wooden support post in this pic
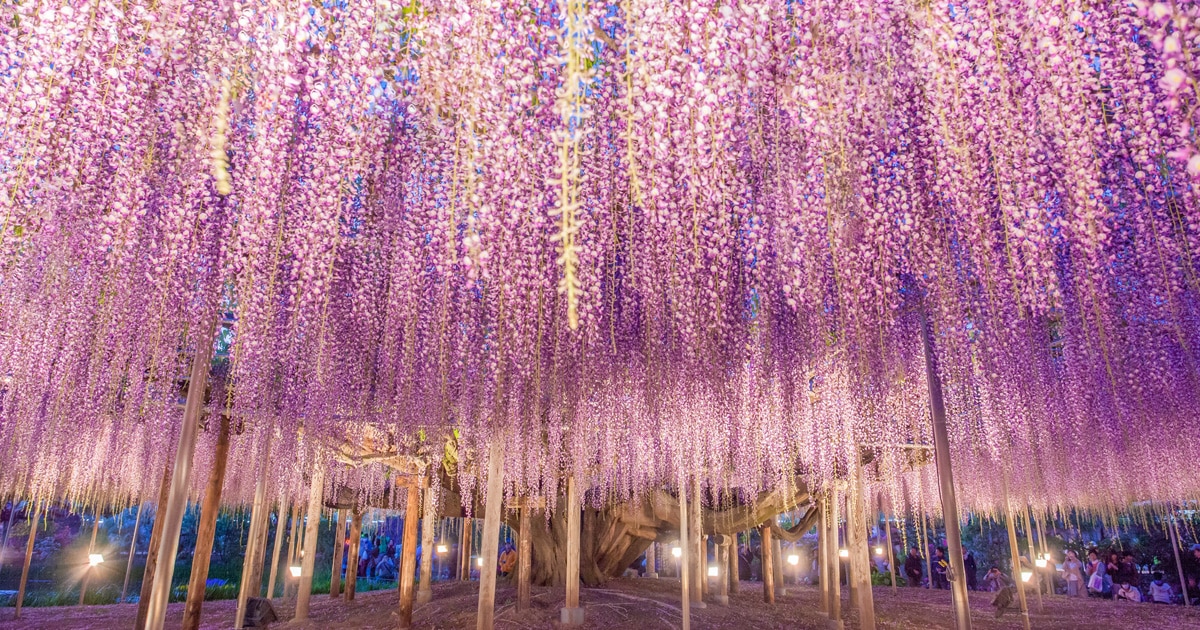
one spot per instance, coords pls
(352, 563)
(777, 556)
(339, 545)
(1037, 577)
(926, 551)
(33, 525)
(280, 525)
(852, 568)
(255, 542)
(464, 550)
(408, 554)
(1015, 555)
(696, 540)
(181, 479)
(835, 564)
(156, 534)
(91, 548)
(734, 578)
(428, 523)
(490, 549)
(768, 564)
(289, 582)
(652, 560)
(722, 563)
(309, 558)
(137, 520)
(1178, 565)
(823, 553)
(685, 599)
(206, 530)
(12, 513)
(524, 561)
(860, 554)
(887, 527)
(571, 614)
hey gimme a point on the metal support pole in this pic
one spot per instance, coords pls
(941, 451)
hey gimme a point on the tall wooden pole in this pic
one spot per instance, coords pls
(524, 561)
(339, 545)
(8, 528)
(941, 451)
(156, 534)
(835, 564)
(137, 520)
(1015, 555)
(572, 614)
(408, 553)
(734, 566)
(91, 547)
(309, 559)
(722, 562)
(33, 523)
(696, 540)
(768, 565)
(887, 527)
(428, 523)
(256, 541)
(489, 553)
(1178, 565)
(685, 599)
(281, 521)
(289, 583)
(1032, 556)
(181, 480)
(823, 553)
(860, 554)
(777, 557)
(352, 563)
(652, 560)
(206, 530)
(464, 550)
(928, 555)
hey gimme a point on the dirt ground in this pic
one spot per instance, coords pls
(642, 604)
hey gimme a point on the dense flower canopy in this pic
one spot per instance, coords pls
(627, 238)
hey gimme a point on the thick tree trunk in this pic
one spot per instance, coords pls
(615, 536)
(206, 530)
(156, 534)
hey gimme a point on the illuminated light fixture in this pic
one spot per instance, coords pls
(845, 553)
(479, 562)
(1040, 562)
(442, 549)
(676, 551)
(713, 572)
(95, 559)
(879, 551)
(295, 571)
(793, 559)
(1025, 575)
(1047, 556)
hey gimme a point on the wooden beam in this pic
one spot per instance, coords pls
(255, 544)
(206, 530)
(352, 563)
(308, 560)
(696, 541)
(734, 567)
(485, 618)
(181, 479)
(33, 522)
(289, 583)
(339, 545)
(768, 568)
(572, 614)
(684, 599)
(281, 521)
(861, 553)
(408, 555)
(524, 559)
(652, 560)
(428, 524)
(834, 562)
(464, 550)
(156, 534)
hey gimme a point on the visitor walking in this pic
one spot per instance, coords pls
(1073, 574)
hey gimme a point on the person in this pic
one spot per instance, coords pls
(508, 560)
(1160, 591)
(914, 567)
(1073, 574)
(1095, 572)
(994, 580)
(1128, 570)
(940, 567)
(385, 569)
(1128, 592)
(971, 568)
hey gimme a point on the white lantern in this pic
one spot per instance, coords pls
(442, 549)
(1040, 562)
(95, 559)
(295, 571)
(1025, 575)
(793, 559)
(479, 562)
(713, 572)
(676, 551)
(843, 552)
(879, 551)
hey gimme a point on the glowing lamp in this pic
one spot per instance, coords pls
(1040, 562)
(793, 559)
(479, 562)
(95, 559)
(845, 553)
(295, 571)
(442, 549)
(713, 572)
(1025, 575)
(879, 551)
(676, 551)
